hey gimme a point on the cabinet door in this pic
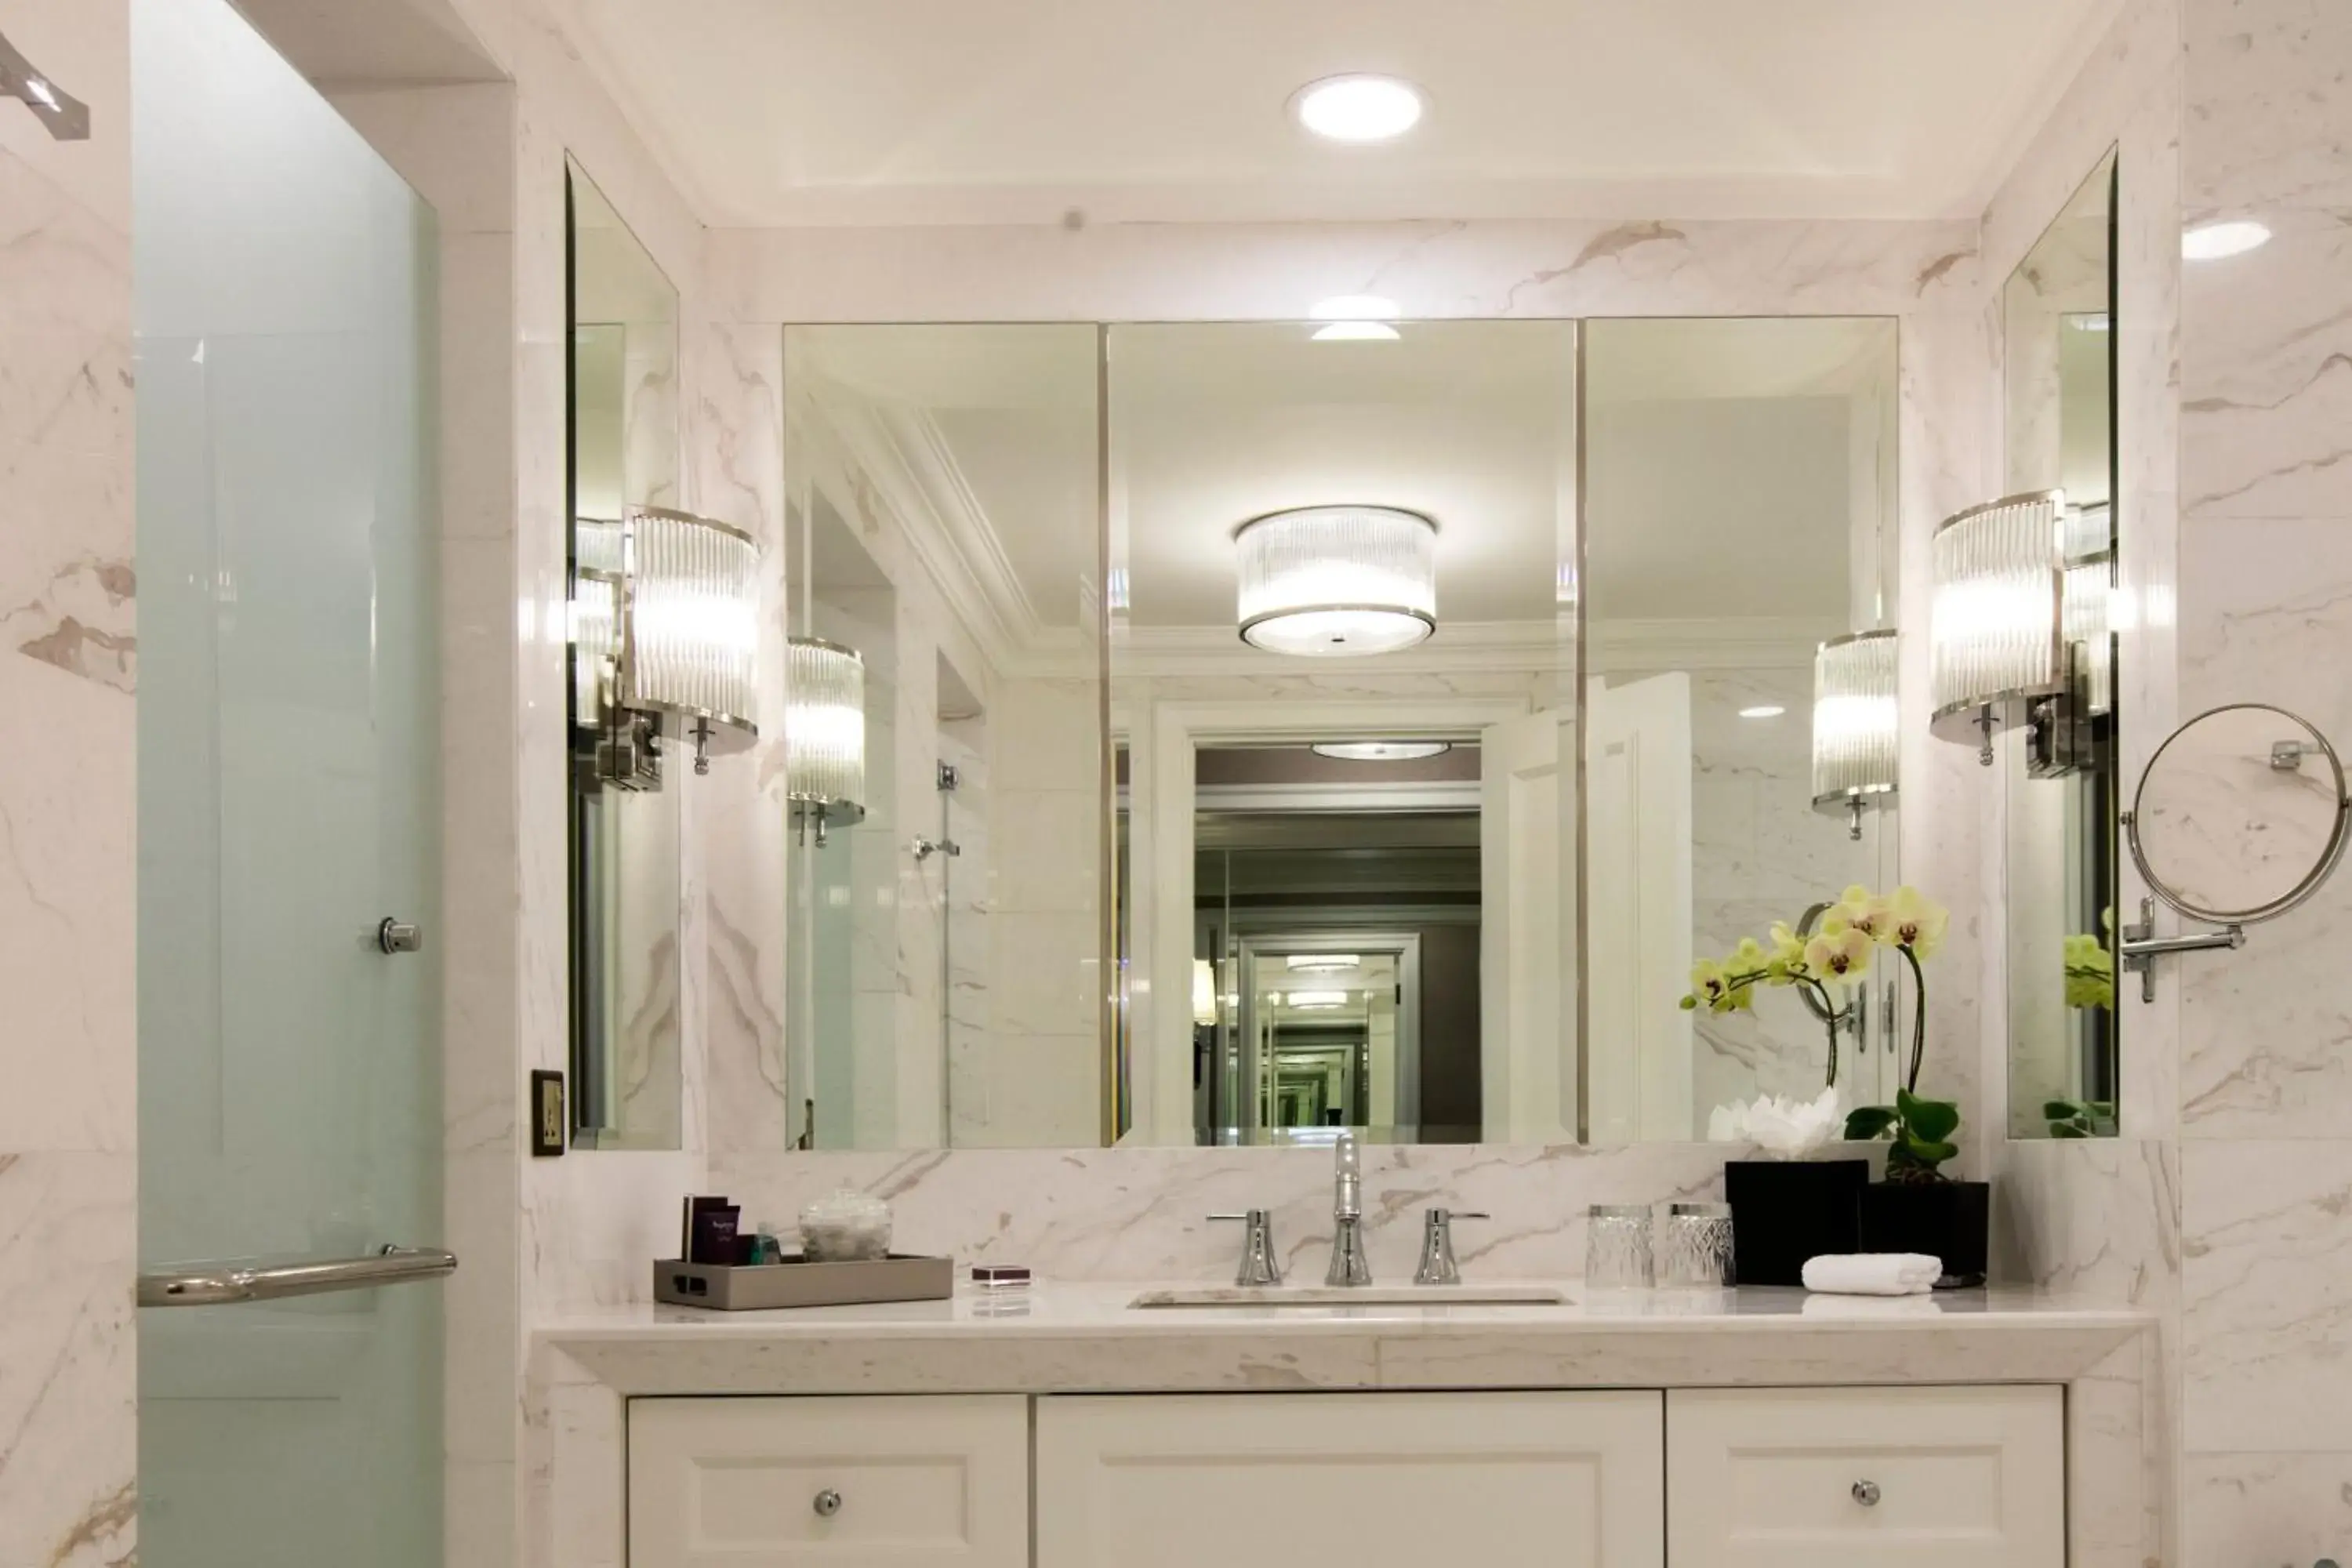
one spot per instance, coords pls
(1370, 1480)
(1929, 1478)
(849, 1483)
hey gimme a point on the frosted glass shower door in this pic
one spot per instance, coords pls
(288, 1068)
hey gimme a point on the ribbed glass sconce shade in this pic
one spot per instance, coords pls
(595, 641)
(1856, 721)
(2087, 617)
(1995, 636)
(1338, 580)
(693, 625)
(825, 725)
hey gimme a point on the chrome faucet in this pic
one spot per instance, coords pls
(1261, 1267)
(1438, 1264)
(1349, 1264)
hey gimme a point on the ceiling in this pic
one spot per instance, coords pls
(773, 112)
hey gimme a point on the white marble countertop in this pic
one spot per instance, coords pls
(1069, 1337)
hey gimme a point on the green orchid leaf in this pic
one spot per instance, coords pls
(2069, 1130)
(1869, 1121)
(1931, 1119)
(2059, 1109)
(1929, 1153)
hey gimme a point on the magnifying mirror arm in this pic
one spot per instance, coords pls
(2141, 946)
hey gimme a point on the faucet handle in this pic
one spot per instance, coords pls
(1259, 1267)
(1438, 1264)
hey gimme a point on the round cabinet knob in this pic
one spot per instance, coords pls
(1867, 1493)
(828, 1504)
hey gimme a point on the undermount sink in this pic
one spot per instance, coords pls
(1352, 1296)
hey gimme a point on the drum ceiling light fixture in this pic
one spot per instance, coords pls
(1338, 581)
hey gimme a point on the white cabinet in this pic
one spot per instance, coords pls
(1929, 1478)
(1763, 1478)
(1372, 1480)
(848, 1483)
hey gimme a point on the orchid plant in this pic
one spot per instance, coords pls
(2090, 973)
(1837, 953)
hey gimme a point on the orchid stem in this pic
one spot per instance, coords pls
(1918, 1019)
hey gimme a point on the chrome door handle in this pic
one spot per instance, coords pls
(399, 936)
(222, 1284)
(1867, 1493)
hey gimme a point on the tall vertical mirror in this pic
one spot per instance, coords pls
(1343, 675)
(1739, 584)
(2059, 778)
(945, 737)
(622, 829)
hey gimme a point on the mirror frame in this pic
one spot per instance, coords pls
(2313, 879)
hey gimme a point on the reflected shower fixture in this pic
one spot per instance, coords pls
(64, 116)
(663, 630)
(825, 734)
(1324, 582)
(2019, 629)
(1856, 730)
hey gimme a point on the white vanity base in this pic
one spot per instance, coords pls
(2033, 1410)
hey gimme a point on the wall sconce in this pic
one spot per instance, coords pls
(2021, 627)
(1856, 730)
(663, 633)
(825, 734)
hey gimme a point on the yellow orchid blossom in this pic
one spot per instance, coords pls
(1839, 951)
(1919, 922)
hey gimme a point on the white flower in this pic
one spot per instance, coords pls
(1784, 1129)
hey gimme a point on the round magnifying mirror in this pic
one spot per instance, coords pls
(2240, 816)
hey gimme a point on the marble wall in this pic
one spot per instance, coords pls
(68, 665)
(2265, 613)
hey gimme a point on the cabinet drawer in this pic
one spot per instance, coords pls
(853, 1483)
(1930, 1478)
(1370, 1480)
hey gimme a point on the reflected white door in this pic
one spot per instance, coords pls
(1526, 944)
(289, 1101)
(1637, 780)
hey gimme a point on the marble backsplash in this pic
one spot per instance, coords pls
(1142, 1214)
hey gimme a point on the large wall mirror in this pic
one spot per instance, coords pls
(2059, 777)
(945, 736)
(621, 833)
(1228, 734)
(1741, 552)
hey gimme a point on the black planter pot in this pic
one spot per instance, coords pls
(1786, 1211)
(1950, 1220)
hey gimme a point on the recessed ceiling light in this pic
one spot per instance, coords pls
(1358, 108)
(2088, 321)
(1382, 750)
(1323, 961)
(1355, 319)
(1315, 998)
(1763, 711)
(2213, 241)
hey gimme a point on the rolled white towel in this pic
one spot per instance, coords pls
(1872, 1273)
